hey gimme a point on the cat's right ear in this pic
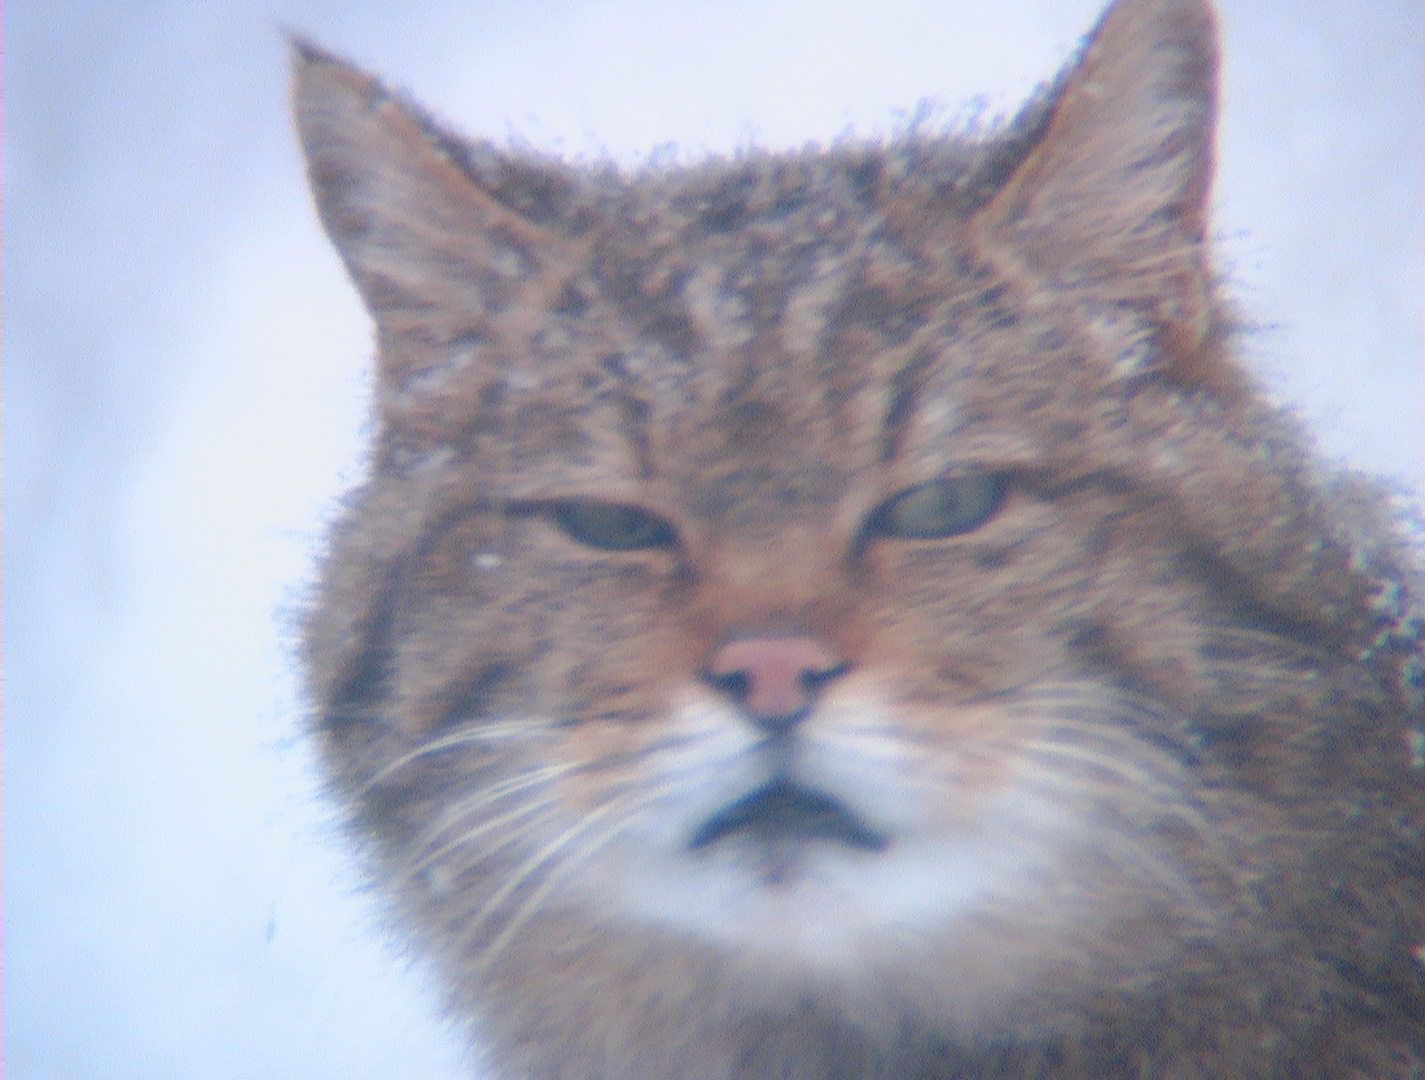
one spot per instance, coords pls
(440, 235)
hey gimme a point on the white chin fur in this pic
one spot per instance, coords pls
(934, 900)
(983, 908)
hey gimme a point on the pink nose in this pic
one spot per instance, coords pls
(774, 680)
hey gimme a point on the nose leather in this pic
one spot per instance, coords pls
(774, 680)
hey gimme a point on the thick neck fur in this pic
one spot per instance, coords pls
(1096, 742)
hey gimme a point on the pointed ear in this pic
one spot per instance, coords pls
(1113, 198)
(440, 235)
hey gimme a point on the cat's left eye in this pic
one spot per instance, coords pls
(938, 508)
(612, 526)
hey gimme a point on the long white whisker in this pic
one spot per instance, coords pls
(523, 872)
(464, 737)
(485, 796)
(487, 826)
(1129, 851)
(491, 952)
(1165, 801)
(1140, 778)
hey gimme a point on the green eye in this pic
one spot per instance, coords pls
(938, 508)
(613, 526)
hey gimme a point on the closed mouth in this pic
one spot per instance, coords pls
(782, 810)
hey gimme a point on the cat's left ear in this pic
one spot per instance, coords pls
(1111, 203)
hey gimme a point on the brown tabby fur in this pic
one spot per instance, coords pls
(1164, 706)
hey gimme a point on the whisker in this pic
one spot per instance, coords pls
(491, 952)
(671, 742)
(507, 729)
(527, 869)
(1140, 778)
(464, 737)
(1128, 850)
(485, 796)
(462, 810)
(882, 741)
(693, 766)
(486, 826)
(1163, 801)
(1087, 701)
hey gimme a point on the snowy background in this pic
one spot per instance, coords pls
(184, 373)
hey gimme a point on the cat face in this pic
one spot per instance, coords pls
(858, 577)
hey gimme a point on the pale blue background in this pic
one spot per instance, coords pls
(184, 367)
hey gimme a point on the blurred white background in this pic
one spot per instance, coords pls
(184, 373)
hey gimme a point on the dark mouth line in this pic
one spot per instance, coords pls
(782, 809)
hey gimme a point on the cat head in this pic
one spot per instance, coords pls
(847, 566)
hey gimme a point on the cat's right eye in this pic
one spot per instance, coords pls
(612, 526)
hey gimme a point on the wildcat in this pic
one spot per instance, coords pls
(848, 614)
